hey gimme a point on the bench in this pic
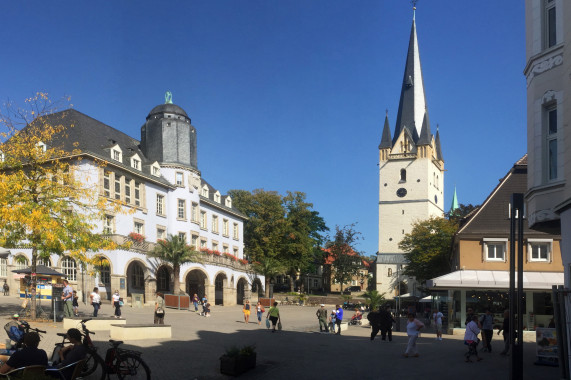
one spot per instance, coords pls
(95, 324)
(140, 331)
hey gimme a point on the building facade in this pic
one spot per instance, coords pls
(158, 181)
(481, 262)
(411, 174)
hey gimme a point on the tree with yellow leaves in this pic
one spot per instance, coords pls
(47, 200)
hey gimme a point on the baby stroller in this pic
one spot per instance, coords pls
(356, 319)
(16, 331)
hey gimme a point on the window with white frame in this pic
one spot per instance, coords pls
(161, 233)
(495, 249)
(181, 209)
(228, 202)
(550, 24)
(235, 251)
(225, 248)
(204, 192)
(203, 220)
(203, 243)
(179, 179)
(539, 249)
(139, 227)
(217, 197)
(215, 224)
(21, 262)
(214, 246)
(194, 241)
(136, 163)
(105, 275)
(225, 227)
(109, 224)
(194, 212)
(138, 190)
(160, 204)
(235, 231)
(156, 170)
(182, 236)
(107, 183)
(116, 154)
(3, 267)
(45, 261)
(69, 268)
(117, 186)
(551, 142)
(127, 191)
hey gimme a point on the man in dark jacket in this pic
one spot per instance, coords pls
(386, 322)
(374, 318)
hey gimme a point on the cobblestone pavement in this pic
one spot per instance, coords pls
(298, 352)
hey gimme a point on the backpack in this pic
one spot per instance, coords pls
(16, 334)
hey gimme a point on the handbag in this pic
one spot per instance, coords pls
(160, 311)
(279, 325)
(267, 323)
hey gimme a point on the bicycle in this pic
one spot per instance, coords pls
(126, 364)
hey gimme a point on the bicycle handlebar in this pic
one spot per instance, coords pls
(85, 320)
(39, 331)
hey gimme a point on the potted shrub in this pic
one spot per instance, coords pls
(238, 360)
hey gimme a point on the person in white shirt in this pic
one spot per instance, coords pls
(471, 338)
(117, 303)
(413, 326)
(95, 301)
(437, 318)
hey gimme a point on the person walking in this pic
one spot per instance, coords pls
(386, 322)
(413, 326)
(506, 332)
(487, 322)
(471, 339)
(338, 318)
(437, 318)
(274, 316)
(95, 301)
(259, 312)
(246, 311)
(321, 314)
(204, 302)
(75, 304)
(195, 301)
(159, 309)
(6, 288)
(116, 298)
(67, 298)
(374, 318)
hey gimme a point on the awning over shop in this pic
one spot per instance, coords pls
(426, 299)
(4, 253)
(494, 279)
(40, 269)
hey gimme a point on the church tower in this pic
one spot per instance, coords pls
(411, 175)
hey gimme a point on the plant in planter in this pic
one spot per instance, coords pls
(137, 238)
(238, 360)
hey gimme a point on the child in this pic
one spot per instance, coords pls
(207, 309)
(332, 321)
(75, 304)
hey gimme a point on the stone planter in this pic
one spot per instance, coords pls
(237, 365)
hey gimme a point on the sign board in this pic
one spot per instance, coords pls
(122, 283)
(546, 340)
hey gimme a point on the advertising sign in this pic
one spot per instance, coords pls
(546, 340)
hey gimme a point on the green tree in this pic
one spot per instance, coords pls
(373, 299)
(269, 267)
(346, 261)
(176, 252)
(458, 214)
(428, 247)
(45, 200)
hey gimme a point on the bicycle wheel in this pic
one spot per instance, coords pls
(131, 366)
(93, 362)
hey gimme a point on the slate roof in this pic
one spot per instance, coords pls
(491, 218)
(40, 269)
(386, 137)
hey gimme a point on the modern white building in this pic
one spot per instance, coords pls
(411, 175)
(158, 180)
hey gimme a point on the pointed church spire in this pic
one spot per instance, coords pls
(412, 103)
(386, 137)
(437, 143)
(425, 134)
(454, 205)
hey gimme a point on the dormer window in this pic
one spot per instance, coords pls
(228, 202)
(217, 197)
(156, 169)
(136, 162)
(116, 153)
(204, 192)
(41, 146)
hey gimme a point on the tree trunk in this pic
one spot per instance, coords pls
(33, 282)
(267, 286)
(176, 274)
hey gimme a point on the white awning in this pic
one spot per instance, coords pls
(494, 279)
(426, 299)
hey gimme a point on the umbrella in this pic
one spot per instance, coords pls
(4, 253)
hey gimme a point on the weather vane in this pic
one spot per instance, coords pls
(413, 2)
(168, 97)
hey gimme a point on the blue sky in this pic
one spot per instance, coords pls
(287, 95)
